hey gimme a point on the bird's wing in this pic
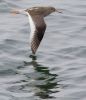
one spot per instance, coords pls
(38, 33)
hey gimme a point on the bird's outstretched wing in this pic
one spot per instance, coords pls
(38, 33)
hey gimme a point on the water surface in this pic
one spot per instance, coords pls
(58, 72)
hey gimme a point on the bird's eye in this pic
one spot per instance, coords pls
(53, 9)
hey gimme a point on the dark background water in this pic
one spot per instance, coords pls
(59, 69)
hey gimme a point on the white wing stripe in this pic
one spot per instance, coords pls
(32, 26)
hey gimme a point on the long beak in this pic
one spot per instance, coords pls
(59, 10)
(18, 11)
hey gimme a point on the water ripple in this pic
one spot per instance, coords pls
(58, 71)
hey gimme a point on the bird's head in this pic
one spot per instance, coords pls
(50, 10)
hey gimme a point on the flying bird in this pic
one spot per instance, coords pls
(37, 24)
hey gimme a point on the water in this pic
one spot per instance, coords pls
(58, 72)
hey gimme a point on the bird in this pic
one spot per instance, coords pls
(37, 23)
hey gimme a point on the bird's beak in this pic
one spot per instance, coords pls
(18, 11)
(58, 10)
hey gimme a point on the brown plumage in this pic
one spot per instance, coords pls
(37, 23)
(38, 33)
(37, 14)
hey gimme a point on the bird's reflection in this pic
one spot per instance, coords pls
(46, 82)
(40, 81)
